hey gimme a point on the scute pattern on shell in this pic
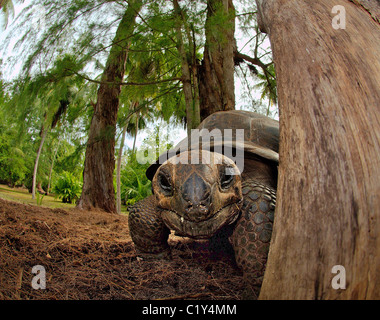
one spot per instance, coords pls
(261, 136)
(253, 230)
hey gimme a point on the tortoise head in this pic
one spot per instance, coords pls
(198, 192)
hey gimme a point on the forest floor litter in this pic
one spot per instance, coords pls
(90, 255)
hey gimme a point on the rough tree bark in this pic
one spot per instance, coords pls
(216, 74)
(98, 190)
(328, 201)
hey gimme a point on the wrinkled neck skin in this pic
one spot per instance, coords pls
(260, 171)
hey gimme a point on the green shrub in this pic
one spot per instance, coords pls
(138, 187)
(12, 164)
(67, 188)
(134, 183)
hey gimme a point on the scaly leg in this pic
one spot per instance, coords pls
(147, 230)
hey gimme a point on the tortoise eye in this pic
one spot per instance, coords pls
(164, 183)
(226, 177)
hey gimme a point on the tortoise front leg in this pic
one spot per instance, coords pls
(147, 230)
(252, 234)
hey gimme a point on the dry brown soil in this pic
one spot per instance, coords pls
(90, 255)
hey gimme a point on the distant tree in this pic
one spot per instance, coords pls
(98, 189)
(7, 9)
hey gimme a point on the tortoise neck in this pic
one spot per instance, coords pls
(260, 171)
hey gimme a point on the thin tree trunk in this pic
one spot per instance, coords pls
(119, 158)
(43, 136)
(118, 169)
(216, 74)
(98, 190)
(328, 197)
(51, 168)
(136, 131)
(197, 110)
(193, 72)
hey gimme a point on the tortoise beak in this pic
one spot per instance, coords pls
(196, 199)
(202, 229)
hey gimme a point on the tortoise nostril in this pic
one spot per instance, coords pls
(196, 198)
(198, 211)
(195, 206)
(204, 208)
(206, 197)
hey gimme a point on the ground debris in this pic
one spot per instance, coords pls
(90, 255)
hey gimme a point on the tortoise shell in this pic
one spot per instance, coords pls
(259, 137)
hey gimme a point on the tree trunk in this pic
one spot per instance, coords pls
(98, 190)
(43, 136)
(328, 197)
(186, 75)
(216, 74)
(118, 169)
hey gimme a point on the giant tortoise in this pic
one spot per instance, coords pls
(200, 190)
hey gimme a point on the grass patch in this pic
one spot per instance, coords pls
(23, 196)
